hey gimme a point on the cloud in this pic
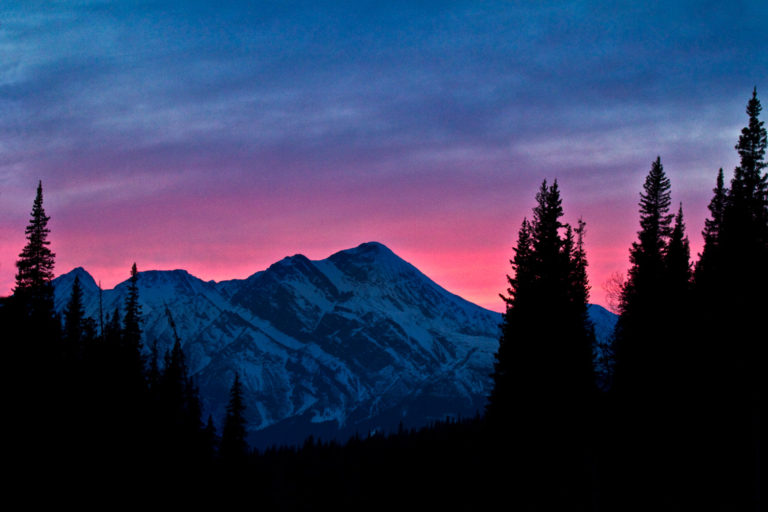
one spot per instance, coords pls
(370, 118)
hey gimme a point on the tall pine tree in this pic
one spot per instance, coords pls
(33, 292)
(731, 283)
(32, 336)
(74, 318)
(234, 447)
(652, 350)
(543, 373)
(638, 329)
(35, 263)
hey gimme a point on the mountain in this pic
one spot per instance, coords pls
(357, 342)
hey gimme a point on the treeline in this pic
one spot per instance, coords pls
(677, 424)
(86, 389)
(681, 427)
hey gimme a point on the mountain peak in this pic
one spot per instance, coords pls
(372, 247)
(366, 252)
(86, 280)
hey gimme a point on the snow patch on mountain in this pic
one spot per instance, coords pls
(359, 340)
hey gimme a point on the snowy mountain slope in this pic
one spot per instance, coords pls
(359, 340)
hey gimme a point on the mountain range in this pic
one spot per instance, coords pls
(358, 342)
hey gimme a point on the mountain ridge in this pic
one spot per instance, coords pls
(361, 339)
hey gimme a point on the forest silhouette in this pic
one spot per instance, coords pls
(677, 425)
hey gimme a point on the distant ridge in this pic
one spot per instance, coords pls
(361, 340)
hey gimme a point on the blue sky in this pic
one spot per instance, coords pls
(222, 137)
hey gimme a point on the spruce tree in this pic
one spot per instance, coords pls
(234, 447)
(731, 283)
(710, 255)
(132, 319)
(32, 336)
(637, 330)
(652, 350)
(674, 363)
(749, 185)
(677, 262)
(131, 356)
(33, 291)
(499, 410)
(543, 373)
(74, 318)
(36, 261)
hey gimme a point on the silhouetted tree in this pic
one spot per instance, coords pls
(234, 447)
(36, 261)
(543, 373)
(74, 318)
(32, 342)
(637, 344)
(651, 350)
(33, 291)
(153, 372)
(130, 339)
(730, 283)
(132, 318)
(711, 234)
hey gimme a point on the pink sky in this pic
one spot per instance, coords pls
(222, 138)
(464, 245)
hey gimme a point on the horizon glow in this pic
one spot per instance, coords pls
(220, 140)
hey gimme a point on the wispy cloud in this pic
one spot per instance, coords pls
(358, 120)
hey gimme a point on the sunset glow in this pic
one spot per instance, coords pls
(222, 140)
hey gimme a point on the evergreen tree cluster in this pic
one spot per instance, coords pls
(543, 375)
(678, 426)
(94, 395)
(682, 424)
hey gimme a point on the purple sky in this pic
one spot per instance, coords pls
(221, 139)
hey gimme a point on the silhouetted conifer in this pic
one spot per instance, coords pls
(653, 349)
(131, 355)
(731, 282)
(234, 447)
(153, 372)
(74, 318)
(32, 336)
(710, 255)
(210, 439)
(543, 373)
(677, 260)
(36, 261)
(638, 346)
(33, 291)
(131, 336)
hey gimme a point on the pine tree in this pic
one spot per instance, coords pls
(35, 264)
(749, 187)
(234, 447)
(33, 292)
(132, 318)
(153, 373)
(731, 283)
(652, 350)
(74, 318)
(209, 439)
(32, 336)
(677, 262)
(674, 364)
(710, 255)
(549, 281)
(543, 373)
(637, 331)
(131, 356)
(498, 410)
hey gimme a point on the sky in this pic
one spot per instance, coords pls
(220, 137)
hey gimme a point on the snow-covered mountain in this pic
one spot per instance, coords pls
(359, 341)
